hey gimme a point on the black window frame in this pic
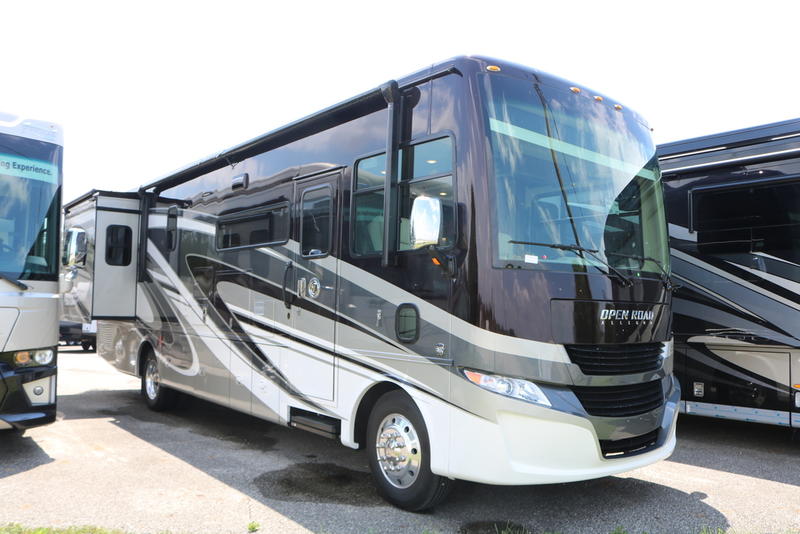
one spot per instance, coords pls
(330, 224)
(354, 191)
(254, 212)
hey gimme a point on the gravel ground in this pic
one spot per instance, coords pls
(110, 462)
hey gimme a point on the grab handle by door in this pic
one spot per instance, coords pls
(287, 296)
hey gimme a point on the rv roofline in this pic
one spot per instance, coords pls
(358, 106)
(731, 139)
(89, 194)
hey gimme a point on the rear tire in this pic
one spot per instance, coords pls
(85, 345)
(399, 455)
(157, 396)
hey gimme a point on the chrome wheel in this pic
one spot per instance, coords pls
(151, 380)
(398, 450)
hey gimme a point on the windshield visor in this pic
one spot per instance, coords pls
(571, 170)
(30, 175)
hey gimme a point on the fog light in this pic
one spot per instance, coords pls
(44, 356)
(38, 390)
(22, 357)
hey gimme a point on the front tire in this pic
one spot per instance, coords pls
(399, 455)
(157, 396)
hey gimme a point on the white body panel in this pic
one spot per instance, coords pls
(29, 319)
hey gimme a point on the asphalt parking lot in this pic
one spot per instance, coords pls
(110, 462)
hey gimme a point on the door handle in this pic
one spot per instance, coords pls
(287, 296)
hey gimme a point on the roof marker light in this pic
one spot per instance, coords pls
(617, 107)
(575, 90)
(599, 98)
(493, 68)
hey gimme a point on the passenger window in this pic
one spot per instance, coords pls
(263, 226)
(749, 225)
(315, 231)
(119, 243)
(425, 170)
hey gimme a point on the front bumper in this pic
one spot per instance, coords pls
(541, 447)
(27, 396)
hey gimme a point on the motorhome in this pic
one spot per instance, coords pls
(463, 271)
(30, 217)
(733, 205)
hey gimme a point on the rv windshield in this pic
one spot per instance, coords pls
(572, 171)
(29, 208)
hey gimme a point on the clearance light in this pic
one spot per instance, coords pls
(575, 90)
(599, 98)
(436, 262)
(510, 387)
(22, 357)
(493, 68)
(617, 107)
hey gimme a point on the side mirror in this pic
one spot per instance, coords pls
(80, 249)
(425, 222)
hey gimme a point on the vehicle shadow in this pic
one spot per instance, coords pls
(751, 449)
(322, 485)
(19, 453)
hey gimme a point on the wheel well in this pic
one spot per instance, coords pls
(144, 350)
(365, 407)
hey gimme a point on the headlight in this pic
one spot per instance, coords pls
(29, 358)
(43, 356)
(510, 387)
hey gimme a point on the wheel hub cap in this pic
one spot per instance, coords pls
(398, 450)
(151, 379)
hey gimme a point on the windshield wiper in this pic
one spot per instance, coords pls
(14, 282)
(624, 280)
(665, 279)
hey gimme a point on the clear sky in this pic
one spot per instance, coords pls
(142, 88)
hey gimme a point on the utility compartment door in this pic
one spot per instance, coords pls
(98, 276)
(115, 259)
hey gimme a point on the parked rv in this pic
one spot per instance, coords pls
(463, 271)
(733, 204)
(30, 211)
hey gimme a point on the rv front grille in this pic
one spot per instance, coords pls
(616, 359)
(620, 401)
(623, 447)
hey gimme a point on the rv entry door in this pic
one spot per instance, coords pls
(315, 273)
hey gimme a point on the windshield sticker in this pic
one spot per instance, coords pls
(530, 258)
(529, 136)
(31, 169)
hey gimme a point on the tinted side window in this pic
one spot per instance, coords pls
(315, 232)
(119, 243)
(750, 225)
(255, 227)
